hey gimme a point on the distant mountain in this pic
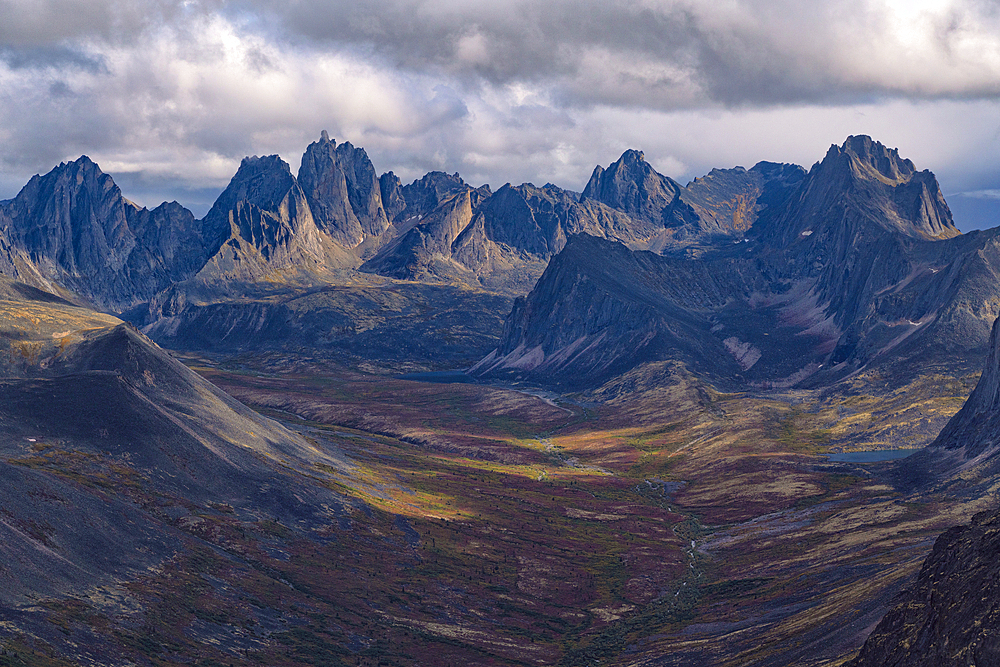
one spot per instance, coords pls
(261, 226)
(632, 186)
(79, 232)
(822, 273)
(343, 191)
(856, 263)
(507, 237)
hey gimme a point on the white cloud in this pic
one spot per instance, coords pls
(176, 93)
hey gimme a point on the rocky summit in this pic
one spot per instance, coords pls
(343, 420)
(855, 265)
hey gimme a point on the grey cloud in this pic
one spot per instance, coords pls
(674, 53)
(172, 94)
(53, 57)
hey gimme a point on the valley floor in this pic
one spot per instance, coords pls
(493, 527)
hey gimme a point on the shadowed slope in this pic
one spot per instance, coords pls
(83, 392)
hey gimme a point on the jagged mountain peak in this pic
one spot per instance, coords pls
(261, 181)
(632, 186)
(873, 154)
(343, 191)
(79, 232)
(862, 157)
(862, 187)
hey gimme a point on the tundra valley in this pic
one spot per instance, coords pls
(753, 420)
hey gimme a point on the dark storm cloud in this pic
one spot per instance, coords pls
(674, 54)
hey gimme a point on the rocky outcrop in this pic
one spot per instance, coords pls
(343, 191)
(391, 189)
(862, 185)
(949, 617)
(970, 441)
(423, 196)
(506, 240)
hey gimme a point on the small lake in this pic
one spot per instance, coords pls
(872, 457)
(444, 377)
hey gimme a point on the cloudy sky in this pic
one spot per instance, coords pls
(169, 95)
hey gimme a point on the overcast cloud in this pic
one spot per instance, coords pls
(168, 96)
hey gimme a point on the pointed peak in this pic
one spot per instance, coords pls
(324, 136)
(873, 154)
(263, 163)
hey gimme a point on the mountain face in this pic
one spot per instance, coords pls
(587, 320)
(948, 618)
(260, 225)
(77, 230)
(632, 186)
(343, 191)
(856, 263)
(499, 240)
(968, 444)
(728, 202)
(864, 185)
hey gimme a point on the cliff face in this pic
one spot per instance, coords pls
(948, 618)
(600, 309)
(343, 191)
(261, 225)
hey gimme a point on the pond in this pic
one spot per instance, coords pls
(873, 456)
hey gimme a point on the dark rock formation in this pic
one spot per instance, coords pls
(391, 189)
(413, 256)
(950, 616)
(343, 191)
(424, 195)
(963, 458)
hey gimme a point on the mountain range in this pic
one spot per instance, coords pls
(801, 279)
(854, 265)
(745, 286)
